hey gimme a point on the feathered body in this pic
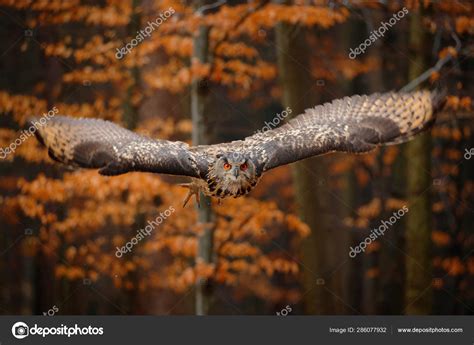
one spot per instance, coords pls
(353, 124)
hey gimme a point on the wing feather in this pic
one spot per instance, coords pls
(99, 144)
(352, 124)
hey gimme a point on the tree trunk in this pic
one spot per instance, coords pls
(309, 175)
(349, 35)
(201, 136)
(418, 292)
(390, 297)
(130, 111)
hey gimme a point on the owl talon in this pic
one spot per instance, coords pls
(193, 190)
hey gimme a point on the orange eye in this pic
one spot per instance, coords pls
(226, 166)
(244, 166)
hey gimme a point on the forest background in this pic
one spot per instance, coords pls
(213, 71)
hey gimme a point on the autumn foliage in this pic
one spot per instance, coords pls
(78, 218)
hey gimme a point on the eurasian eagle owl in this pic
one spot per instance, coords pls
(352, 124)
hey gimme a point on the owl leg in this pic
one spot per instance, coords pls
(193, 190)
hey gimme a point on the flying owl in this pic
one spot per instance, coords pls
(354, 124)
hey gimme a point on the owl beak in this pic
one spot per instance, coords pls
(236, 172)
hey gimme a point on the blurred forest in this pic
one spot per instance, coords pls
(216, 71)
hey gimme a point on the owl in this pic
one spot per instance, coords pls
(354, 124)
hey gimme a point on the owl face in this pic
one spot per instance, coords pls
(235, 167)
(232, 174)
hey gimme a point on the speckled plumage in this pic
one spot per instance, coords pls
(352, 124)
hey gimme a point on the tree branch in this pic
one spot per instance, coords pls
(200, 11)
(436, 68)
(242, 19)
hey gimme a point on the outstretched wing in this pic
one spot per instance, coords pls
(98, 144)
(351, 124)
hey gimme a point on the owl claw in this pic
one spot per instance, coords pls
(193, 190)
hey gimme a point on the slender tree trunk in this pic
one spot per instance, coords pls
(44, 266)
(350, 271)
(309, 176)
(418, 292)
(390, 298)
(201, 136)
(371, 282)
(130, 111)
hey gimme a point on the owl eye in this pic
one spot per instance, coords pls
(226, 166)
(244, 166)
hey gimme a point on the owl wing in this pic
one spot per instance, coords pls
(352, 124)
(103, 145)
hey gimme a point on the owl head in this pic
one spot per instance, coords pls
(232, 174)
